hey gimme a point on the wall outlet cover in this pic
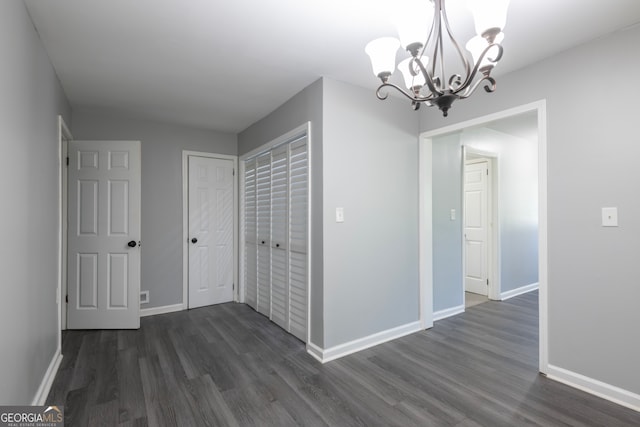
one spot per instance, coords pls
(609, 217)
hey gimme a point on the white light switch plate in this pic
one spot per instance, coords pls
(453, 215)
(609, 217)
(339, 214)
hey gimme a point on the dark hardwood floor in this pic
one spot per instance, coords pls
(227, 365)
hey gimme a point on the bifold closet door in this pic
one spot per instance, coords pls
(263, 226)
(298, 263)
(276, 206)
(250, 247)
(279, 233)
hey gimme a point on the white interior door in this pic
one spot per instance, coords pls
(104, 235)
(210, 231)
(476, 227)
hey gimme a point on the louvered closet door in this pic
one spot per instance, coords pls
(263, 215)
(279, 209)
(251, 250)
(298, 230)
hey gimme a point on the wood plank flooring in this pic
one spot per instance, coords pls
(227, 365)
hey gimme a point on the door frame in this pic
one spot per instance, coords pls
(426, 217)
(64, 136)
(493, 236)
(185, 221)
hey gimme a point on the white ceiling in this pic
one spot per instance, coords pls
(224, 65)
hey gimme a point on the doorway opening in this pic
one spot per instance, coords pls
(441, 177)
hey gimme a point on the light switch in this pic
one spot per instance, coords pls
(609, 217)
(339, 214)
(453, 215)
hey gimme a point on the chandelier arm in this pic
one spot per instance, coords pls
(489, 88)
(476, 68)
(428, 80)
(463, 58)
(396, 87)
(402, 91)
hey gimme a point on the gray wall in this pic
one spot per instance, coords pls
(162, 146)
(447, 234)
(304, 107)
(31, 100)
(517, 176)
(370, 156)
(593, 145)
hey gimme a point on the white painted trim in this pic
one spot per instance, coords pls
(518, 291)
(543, 296)
(315, 351)
(144, 312)
(185, 220)
(241, 226)
(64, 135)
(307, 126)
(47, 381)
(338, 351)
(541, 108)
(448, 312)
(526, 108)
(425, 249)
(595, 387)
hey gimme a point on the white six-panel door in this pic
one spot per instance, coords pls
(104, 235)
(211, 248)
(476, 227)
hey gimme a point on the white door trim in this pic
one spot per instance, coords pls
(425, 250)
(426, 215)
(64, 136)
(493, 242)
(185, 221)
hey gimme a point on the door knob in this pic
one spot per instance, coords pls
(194, 240)
(132, 244)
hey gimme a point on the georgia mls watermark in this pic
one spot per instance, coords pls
(31, 416)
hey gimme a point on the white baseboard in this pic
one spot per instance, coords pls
(45, 386)
(332, 353)
(161, 310)
(518, 291)
(314, 351)
(606, 391)
(448, 312)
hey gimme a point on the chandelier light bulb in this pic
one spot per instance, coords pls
(490, 16)
(382, 53)
(413, 20)
(478, 44)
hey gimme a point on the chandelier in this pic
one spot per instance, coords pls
(424, 71)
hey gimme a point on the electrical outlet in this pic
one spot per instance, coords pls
(144, 297)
